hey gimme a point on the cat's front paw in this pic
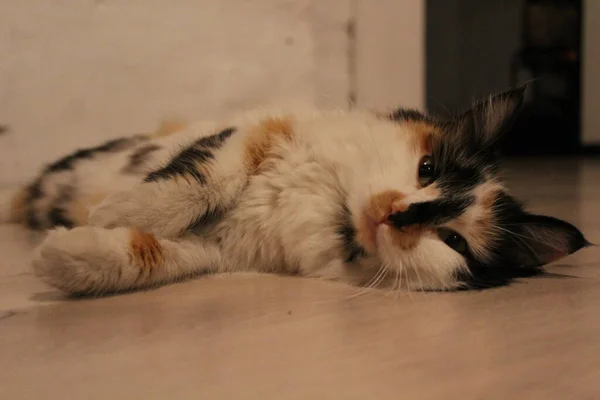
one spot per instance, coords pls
(84, 260)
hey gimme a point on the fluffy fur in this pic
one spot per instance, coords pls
(402, 200)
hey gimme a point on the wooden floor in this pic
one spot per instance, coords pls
(266, 337)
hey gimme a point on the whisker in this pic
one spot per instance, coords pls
(419, 279)
(380, 278)
(383, 278)
(408, 291)
(370, 283)
(396, 287)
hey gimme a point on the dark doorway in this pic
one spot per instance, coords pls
(475, 48)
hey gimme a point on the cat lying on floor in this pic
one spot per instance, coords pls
(402, 200)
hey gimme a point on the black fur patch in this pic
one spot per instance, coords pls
(58, 211)
(209, 218)
(459, 166)
(185, 163)
(431, 212)
(408, 114)
(139, 157)
(66, 163)
(58, 217)
(215, 141)
(34, 193)
(346, 231)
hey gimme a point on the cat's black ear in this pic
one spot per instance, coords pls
(488, 119)
(538, 240)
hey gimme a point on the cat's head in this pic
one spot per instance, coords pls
(438, 215)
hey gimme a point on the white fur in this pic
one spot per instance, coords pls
(282, 220)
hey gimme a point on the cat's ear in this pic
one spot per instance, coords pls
(488, 119)
(538, 240)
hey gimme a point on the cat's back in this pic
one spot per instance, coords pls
(287, 148)
(64, 190)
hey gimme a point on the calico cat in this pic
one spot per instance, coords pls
(397, 200)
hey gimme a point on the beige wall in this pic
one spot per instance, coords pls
(591, 76)
(390, 53)
(75, 72)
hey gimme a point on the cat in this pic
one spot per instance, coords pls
(397, 200)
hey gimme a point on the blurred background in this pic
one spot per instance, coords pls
(76, 72)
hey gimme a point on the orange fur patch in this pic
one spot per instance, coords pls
(477, 224)
(17, 206)
(262, 138)
(146, 251)
(483, 227)
(383, 204)
(421, 135)
(378, 208)
(365, 232)
(80, 209)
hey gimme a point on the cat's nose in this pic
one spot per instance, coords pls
(384, 204)
(397, 215)
(403, 218)
(398, 206)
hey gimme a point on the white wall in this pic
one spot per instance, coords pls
(590, 84)
(76, 72)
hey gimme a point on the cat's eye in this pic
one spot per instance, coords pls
(453, 240)
(426, 171)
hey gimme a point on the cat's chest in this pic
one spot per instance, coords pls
(286, 212)
(294, 193)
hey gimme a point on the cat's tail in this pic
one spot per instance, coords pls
(12, 205)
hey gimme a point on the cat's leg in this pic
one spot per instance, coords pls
(92, 260)
(196, 186)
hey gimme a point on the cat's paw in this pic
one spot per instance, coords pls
(84, 260)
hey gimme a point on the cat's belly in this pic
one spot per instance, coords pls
(286, 220)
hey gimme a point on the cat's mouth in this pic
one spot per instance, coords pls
(366, 231)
